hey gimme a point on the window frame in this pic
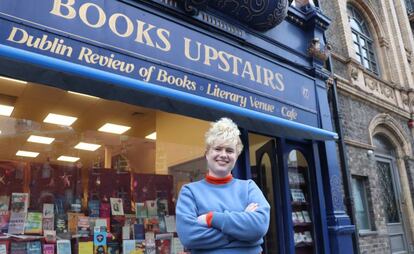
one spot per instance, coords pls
(363, 41)
(363, 180)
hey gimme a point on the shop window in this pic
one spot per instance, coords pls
(362, 40)
(362, 211)
(77, 174)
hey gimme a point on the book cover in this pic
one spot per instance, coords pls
(128, 246)
(16, 223)
(139, 232)
(61, 223)
(48, 223)
(73, 222)
(151, 206)
(99, 238)
(19, 202)
(50, 236)
(126, 232)
(48, 210)
(34, 247)
(18, 248)
(162, 207)
(170, 223)
(33, 224)
(48, 248)
(63, 247)
(104, 210)
(93, 208)
(116, 206)
(150, 247)
(114, 248)
(3, 248)
(4, 221)
(163, 243)
(177, 247)
(102, 224)
(141, 210)
(100, 249)
(300, 217)
(4, 202)
(306, 216)
(139, 247)
(83, 227)
(85, 247)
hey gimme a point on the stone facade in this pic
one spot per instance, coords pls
(372, 104)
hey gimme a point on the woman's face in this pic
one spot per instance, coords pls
(221, 159)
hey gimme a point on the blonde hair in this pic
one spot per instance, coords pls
(223, 131)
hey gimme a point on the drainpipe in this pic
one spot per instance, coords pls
(346, 176)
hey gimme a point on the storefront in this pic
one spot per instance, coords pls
(106, 109)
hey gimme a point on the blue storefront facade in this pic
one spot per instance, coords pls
(260, 64)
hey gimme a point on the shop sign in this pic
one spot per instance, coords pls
(119, 38)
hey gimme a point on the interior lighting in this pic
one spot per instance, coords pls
(6, 110)
(60, 119)
(40, 139)
(114, 128)
(13, 80)
(87, 146)
(152, 136)
(85, 95)
(68, 158)
(27, 154)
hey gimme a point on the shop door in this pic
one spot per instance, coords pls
(390, 194)
(267, 179)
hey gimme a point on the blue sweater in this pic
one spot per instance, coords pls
(232, 231)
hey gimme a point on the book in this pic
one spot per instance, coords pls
(117, 207)
(19, 202)
(128, 246)
(162, 207)
(16, 223)
(150, 242)
(48, 223)
(104, 210)
(3, 248)
(177, 246)
(151, 206)
(4, 202)
(18, 248)
(126, 232)
(299, 216)
(306, 216)
(63, 247)
(93, 208)
(99, 238)
(102, 223)
(34, 247)
(170, 223)
(139, 232)
(48, 211)
(100, 249)
(83, 227)
(50, 236)
(48, 248)
(307, 237)
(297, 195)
(4, 221)
(114, 248)
(73, 222)
(33, 223)
(141, 210)
(85, 247)
(139, 247)
(61, 223)
(294, 217)
(163, 243)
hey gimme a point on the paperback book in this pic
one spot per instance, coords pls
(48, 248)
(63, 247)
(117, 207)
(33, 224)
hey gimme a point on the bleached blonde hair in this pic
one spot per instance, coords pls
(223, 131)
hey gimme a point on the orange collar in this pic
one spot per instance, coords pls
(219, 180)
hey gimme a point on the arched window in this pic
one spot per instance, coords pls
(363, 43)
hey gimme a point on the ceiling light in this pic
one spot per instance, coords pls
(152, 136)
(14, 80)
(68, 158)
(40, 139)
(60, 119)
(27, 154)
(6, 110)
(85, 95)
(114, 128)
(87, 146)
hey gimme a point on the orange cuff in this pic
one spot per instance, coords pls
(209, 219)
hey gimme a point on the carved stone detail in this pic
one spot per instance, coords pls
(380, 88)
(354, 73)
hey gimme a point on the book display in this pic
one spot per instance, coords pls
(301, 208)
(114, 219)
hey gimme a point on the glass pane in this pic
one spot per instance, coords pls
(356, 47)
(358, 188)
(354, 25)
(366, 63)
(301, 202)
(388, 194)
(262, 174)
(362, 42)
(364, 53)
(354, 37)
